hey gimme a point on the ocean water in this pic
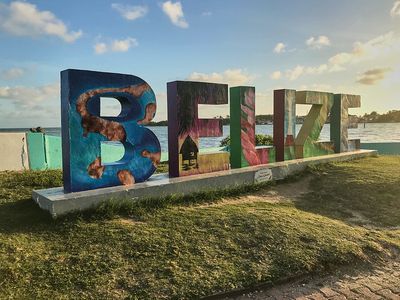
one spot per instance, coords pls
(372, 132)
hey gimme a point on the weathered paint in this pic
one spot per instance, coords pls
(212, 161)
(284, 124)
(242, 130)
(306, 142)
(44, 151)
(53, 152)
(37, 152)
(185, 128)
(83, 130)
(340, 121)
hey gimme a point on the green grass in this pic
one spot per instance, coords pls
(365, 191)
(187, 247)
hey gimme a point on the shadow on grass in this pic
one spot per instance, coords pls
(25, 216)
(139, 210)
(363, 192)
(19, 213)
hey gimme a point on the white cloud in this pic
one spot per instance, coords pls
(280, 48)
(206, 14)
(130, 12)
(317, 87)
(230, 76)
(317, 70)
(395, 9)
(24, 19)
(276, 75)
(12, 73)
(299, 70)
(295, 73)
(319, 42)
(373, 76)
(123, 45)
(174, 12)
(32, 118)
(115, 46)
(30, 97)
(100, 48)
(383, 49)
(341, 59)
(392, 79)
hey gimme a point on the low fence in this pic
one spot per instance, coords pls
(38, 151)
(45, 151)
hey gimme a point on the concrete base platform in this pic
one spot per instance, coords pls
(57, 203)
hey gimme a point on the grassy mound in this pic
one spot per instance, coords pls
(190, 249)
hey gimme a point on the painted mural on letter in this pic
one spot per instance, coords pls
(185, 128)
(306, 142)
(84, 130)
(340, 122)
(242, 130)
(284, 124)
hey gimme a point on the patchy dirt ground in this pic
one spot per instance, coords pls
(279, 193)
(379, 281)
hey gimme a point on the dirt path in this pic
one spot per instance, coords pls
(381, 282)
(279, 193)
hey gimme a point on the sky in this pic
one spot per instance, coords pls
(339, 46)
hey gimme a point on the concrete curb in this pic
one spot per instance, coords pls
(57, 203)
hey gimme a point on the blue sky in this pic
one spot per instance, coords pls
(336, 46)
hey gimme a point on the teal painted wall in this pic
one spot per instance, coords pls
(53, 152)
(392, 148)
(36, 153)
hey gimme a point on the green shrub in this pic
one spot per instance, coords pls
(261, 140)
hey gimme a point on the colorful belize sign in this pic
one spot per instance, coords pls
(84, 129)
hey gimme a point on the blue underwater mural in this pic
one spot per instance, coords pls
(83, 130)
